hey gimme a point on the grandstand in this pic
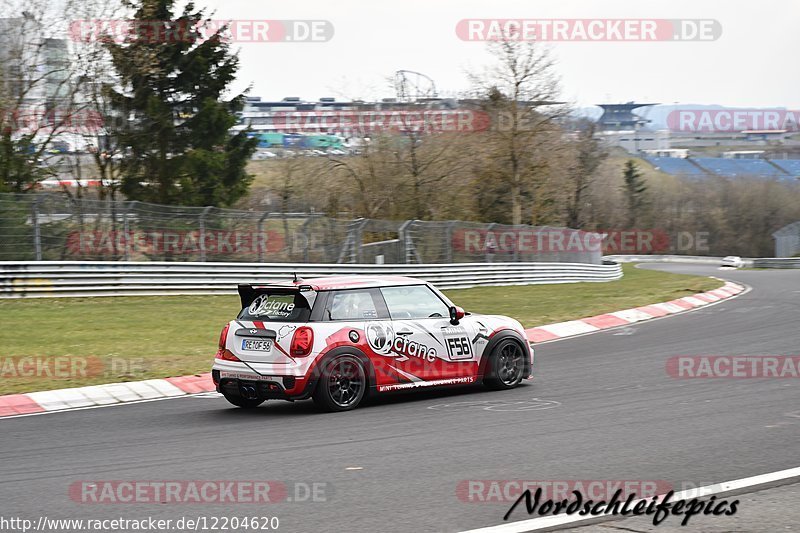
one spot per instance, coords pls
(677, 166)
(783, 169)
(791, 166)
(735, 168)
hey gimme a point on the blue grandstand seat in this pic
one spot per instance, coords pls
(675, 166)
(729, 168)
(792, 166)
(734, 168)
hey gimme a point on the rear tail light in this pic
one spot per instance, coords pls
(223, 336)
(227, 355)
(302, 342)
(222, 353)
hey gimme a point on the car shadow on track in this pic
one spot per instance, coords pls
(307, 407)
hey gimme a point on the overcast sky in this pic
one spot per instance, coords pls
(753, 64)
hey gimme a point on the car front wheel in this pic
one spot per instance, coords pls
(507, 366)
(342, 384)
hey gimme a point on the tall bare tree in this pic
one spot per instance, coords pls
(588, 155)
(44, 71)
(520, 91)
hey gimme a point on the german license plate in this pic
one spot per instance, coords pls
(257, 346)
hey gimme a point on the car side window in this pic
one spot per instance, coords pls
(351, 305)
(414, 301)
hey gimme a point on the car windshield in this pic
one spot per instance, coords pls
(415, 301)
(279, 306)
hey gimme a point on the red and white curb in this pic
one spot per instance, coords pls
(102, 395)
(561, 330)
(155, 389)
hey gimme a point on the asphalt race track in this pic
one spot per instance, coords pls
(602, 407)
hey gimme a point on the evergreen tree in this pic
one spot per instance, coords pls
(171, 79)
(635, 192)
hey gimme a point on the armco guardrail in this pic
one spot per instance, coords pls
(693, 259)
(776, 262)
(747, 262)
(112, 278)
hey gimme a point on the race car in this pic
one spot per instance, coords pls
(339, 339)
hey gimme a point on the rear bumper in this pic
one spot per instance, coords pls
(238, 379)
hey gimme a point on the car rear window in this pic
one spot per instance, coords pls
(279, 306)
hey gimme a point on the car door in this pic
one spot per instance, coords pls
(426, 346)
(348, 311)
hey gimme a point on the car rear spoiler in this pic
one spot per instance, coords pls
(249, 291)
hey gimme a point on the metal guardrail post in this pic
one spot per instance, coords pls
(203, 232)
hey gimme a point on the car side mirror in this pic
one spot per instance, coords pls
(456, 314)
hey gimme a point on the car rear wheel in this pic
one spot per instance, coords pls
(342, 384)
(506, 366)
(244, 403)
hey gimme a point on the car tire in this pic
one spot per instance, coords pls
(342, 384)
(244, 403)
(506, 366)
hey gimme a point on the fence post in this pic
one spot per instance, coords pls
(351, 249)
(449, 244)
(203, 232)
(306, 238)
(126, 230)
(259, 229)
(406, 242)
(486, 255)
(37, 235)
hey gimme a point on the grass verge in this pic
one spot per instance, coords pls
(86, 341)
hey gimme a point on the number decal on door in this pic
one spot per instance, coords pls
(459, 348)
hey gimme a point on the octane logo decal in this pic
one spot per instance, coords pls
(383, 340)
(380, 337)
(263, 306)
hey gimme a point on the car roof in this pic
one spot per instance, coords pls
(349, 282)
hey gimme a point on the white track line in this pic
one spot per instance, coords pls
(538, 524)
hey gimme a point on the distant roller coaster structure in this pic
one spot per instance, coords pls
(411, 86)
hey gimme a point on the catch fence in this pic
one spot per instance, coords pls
(54, 227)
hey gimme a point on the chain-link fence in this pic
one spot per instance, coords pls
(58, 228)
